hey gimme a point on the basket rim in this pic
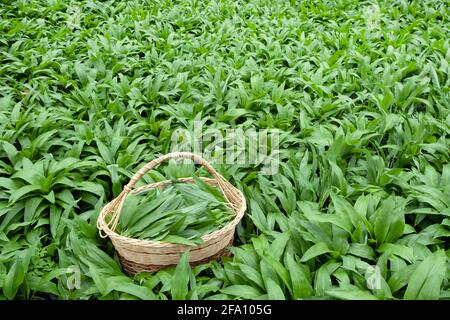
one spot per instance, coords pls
(114, 236)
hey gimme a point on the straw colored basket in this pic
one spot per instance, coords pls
(142, 255)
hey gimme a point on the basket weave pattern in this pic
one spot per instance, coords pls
(138, 255)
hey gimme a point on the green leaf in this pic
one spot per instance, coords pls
(323, 277)
(278, 245)
(280, 270)
(426, 280)
(20, 193)
(31, 206)
(257, 215)
(5, 103)
(342, 207)
(274, 291)
(105, 152)
(181, 240)
(10, 150)
(362, 250)
(351, 293)
(98, 278)
(90, 187)
(402, 251)
(301, 283)
(314, 215)
(50, 197)
(314, 251)
(55, 216)
(13, 279)
(390, 220)
(125, 284)
(16, 274)
(251, 274)
(180, 278)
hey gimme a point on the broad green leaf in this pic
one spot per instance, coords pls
(315, 215)
(278, 245)
(274, 291)
(23, 191)
(322, 280)
(55, 216)
(180, 278)
(362, 251)
(16, 274)
(125, 284)
(251, 274)
(181, 240)
(300, 280)
(426, 280)
(399, 250)
(350, 293)
(280, 270)
(390, 221)
(342, 207)
(314, 251)
(31, 206)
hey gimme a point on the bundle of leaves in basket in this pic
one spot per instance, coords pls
(152, 226)
(180, 213)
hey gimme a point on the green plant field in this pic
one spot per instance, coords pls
(359, 91)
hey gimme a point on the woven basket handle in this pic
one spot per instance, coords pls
(175, 155)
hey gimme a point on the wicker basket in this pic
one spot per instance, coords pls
(142, 255)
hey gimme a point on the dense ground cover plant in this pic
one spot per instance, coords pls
(89, 91)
